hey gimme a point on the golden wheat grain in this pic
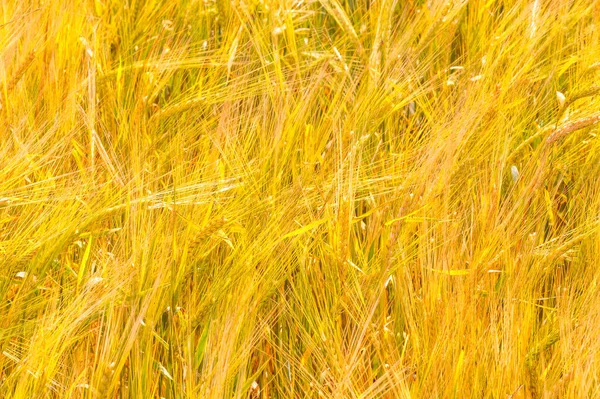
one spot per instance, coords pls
(214, 226)
(561, 131)
(177, 108)
(25, 64)
(589, 92)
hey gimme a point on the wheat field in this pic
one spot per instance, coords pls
(299, 199)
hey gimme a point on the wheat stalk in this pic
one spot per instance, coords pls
(563, 130)
(23, 67)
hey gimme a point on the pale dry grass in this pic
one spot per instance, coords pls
(299, 199)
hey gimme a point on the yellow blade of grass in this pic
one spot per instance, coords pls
(84, 261)
(306, 228)
(456, 272)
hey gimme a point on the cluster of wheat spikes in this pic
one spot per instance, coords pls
(299, 199)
